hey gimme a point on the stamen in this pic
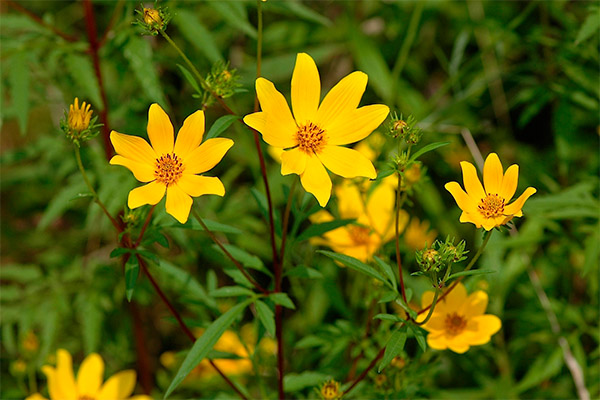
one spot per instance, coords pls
(359, 234)
(311, 138)
(168, 169)
(491, 206)
(455, 323)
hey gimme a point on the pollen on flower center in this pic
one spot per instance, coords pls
(359, 234)
(311, 138)
(491, 206)
(168, 169)
(455, 323)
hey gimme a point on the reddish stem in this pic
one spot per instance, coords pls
(143, 231)
(366, 371)
(41, 22)
(143, 361)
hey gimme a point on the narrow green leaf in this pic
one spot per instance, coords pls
(384, 173)
(231, 291)
(205, 343)
(185, 283)
(60, 203)
(294, 382)
(418, 334)
(319, 229)
(410, 311)
(81, 69)
(90, 318)
(21, 273)
(302, 271)
(139, 54)
(221, 125)
(195, 33)
(132, 270)
(389, 317)
(19, 88)
(590, 26)
(387, 270)
(393, 347)
(245, 258)
(282, 299)
(234, 13)
(428, 148)
(298, 9)
(355, 264)
(468, 273)
(266, 316)
(370, 60)
(388, 296)
(190, 78)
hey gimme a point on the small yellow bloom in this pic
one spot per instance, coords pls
(314, 136)
(152, 16)
(417, 234)
(331, 390)
(31, 342)
(458, 320)
(374, 221)
(171, 168)
(489, 208)
(62, 384)
(79, 117)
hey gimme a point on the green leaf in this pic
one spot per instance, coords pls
(245, 258)
(132, 270)
(261, 200)
(231, 291)
(389, 317)
(139, 54)
(190, 78)
(298, 9)
(543, 368)
(213, 226)
(319, 229)
(205, 343)
(384, 173)
(388, 296)
(60, 203)
(418, 334)
(187, 285)
(370, 60)
(355, 264)
(282, 299)
(428, 148)
(195, 33)
(19, 88)
(393, 347)
(90, 318)
(469, 273)
(302, 271)
(294, 382)
(21, 273)
(387, 270)
(81, 69)
(221, 125)
(590, 26)
(266, 316)
(234, 13)
(410, 311)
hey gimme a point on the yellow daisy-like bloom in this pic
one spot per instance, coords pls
(330, 390)
(62, 384)
(79, 117)
(170, 166)
(458, 321)
(489, 207)
(374, 221)
(314, 135)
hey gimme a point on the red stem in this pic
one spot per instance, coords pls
(143, 231)
(143, 361)
(41, 22)
(366, 371)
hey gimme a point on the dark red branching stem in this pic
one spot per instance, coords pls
(365, 336)
(143, 231)
(41, 22)
(366, 371)
(143, 360)
(94, 47)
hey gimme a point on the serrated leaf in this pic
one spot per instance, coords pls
(81, 69)
(139, 54)
(393, 347)
(266, 316)
(132, 270)
(234, 13)
(195, 33)
(205, 343)
(221, 125)
(231, 291)
(428, 148)
(387, 270)
(355, 264)
(282, 299)
(19, 88)
(320, 229)
(469, 273)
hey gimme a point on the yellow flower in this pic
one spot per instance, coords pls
(374, 221)
(171, 168)
(331, 390)
(418, 234)
(314, 135)
(152, 17)
(63, 386)
(489, 208)
(79, 118)
(30, 343)
(458, 320)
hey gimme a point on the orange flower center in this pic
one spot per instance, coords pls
(491, 206)
(310, 138)
(359, 234)
(85, 397)
(168, 169)
(455, 324)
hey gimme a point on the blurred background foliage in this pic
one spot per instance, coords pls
(520, 77)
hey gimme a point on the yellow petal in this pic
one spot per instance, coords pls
(151, 194)
(492, 174)
(178, 203)
(471, 181)
(475, 218)
(54, 387)
(64, 375)
(437, 341)
(281, 125)
(342, 99)
(437, 323)
(90, 376)
(306, 89)
(140, 397)
(515, 207)
(321, 216)
(142, 172)
(380, 209)
(457, 346)
(475, 304)
(357, 125)
(160, 130)
(256, 121)
(190, 134)
(492, 222)
(346, 162)
(195, 185)
(207, 155)
(293, 161)
(350, 201)
(118, 387)
(487, 324)
(426, 300)
(464, 201)
(509, 183)
(315, 180)
(133, 147)
(271, 135)
(455, 299)
(35, 396)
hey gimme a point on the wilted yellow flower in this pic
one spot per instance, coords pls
(417, 234)
(171, 168)
(63, 386)
(374, 221)
(331, 390)
(489, 208)
(79, 117)
(458, 320)
(314, 135)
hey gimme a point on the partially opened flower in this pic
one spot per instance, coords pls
(315, 134)
(62, 384)
(170, 166)
(487, 205)
(458, 321)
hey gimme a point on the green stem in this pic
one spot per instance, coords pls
(93, 191)
(431, 308)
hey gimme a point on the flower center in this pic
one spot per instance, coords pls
(359, 234)
(168, 169)
(455, 324)
(491, 206)
(310, 138)
(85, 397)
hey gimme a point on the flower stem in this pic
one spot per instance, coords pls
(93, 191)
(431, 308)
(286, 219)
(143, 231)
(365, 372)
(399, 201)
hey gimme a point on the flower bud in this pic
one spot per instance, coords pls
(79, 118)
(331, 390)
(152, 17)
